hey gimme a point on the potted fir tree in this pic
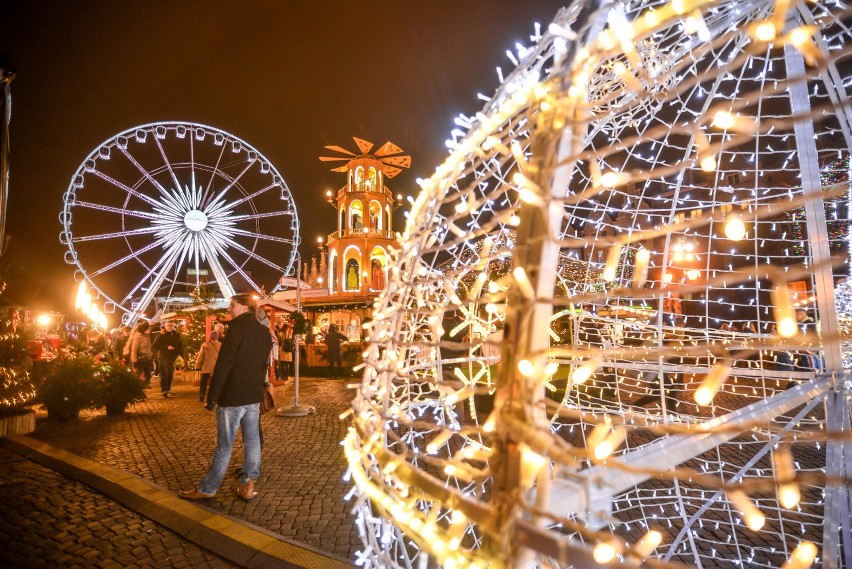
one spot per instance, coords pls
(117, 387)
(68, 386)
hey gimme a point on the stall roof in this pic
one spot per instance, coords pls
(277, 304)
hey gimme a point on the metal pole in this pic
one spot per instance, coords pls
(297, 410)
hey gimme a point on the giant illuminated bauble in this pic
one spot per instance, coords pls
(572, 361)
(159, 209)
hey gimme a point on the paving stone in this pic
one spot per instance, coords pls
(170, 442)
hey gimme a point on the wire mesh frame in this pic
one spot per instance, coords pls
(454, 248)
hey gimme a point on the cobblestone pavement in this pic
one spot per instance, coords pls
(170, 442)
(50, 521)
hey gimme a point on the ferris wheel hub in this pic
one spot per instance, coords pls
(195, 220)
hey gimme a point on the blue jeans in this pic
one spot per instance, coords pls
(247, 417)
(167, 372)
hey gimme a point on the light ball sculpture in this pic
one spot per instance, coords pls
(611, 334)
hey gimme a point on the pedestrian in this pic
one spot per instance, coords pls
(333, 340)
(168, 346)
(141, 354)
(236, 387)
(208, 353)
(285, 352)
(120, 342)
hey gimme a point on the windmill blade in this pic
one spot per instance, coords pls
(400, 161)
(388, 148)
(340, 149)
(364, 145)
(391, 171)
(340, 168)
(331, 158)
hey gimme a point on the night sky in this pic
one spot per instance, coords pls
(287, 77)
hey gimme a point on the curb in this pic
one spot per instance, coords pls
(236, 540)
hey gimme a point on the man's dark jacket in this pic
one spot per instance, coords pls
(240, 371)
(162, 342)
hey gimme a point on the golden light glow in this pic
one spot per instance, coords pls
(753, 518)
(585, 371)
(640, 271)
(648, 544)
(604, 553)
(708, 163)
(718, 375)
(735, 229)
(789, 495)
(724, 120)
(612, 259)
(764, 31)
(802, 557)
(784, 312)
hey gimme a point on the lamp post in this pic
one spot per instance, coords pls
(297, 409)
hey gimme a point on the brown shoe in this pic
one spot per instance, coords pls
(194, 494)
(246, 491)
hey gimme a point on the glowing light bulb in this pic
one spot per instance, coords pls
(789, 495)
(753, 518)
(611, 179)
(648, 543)
(708, 163)
(526, 368)
(640, 271)
(764, 31)
(523, 282)
(604, 552)
(734, 227)
(800, 36)
(802, 557)
(612, 259)
(782, 308)
(724, 120)
(718, 375)
(585, 371)
(531, 465)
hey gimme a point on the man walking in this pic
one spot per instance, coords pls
(237, 388)
(168, 347)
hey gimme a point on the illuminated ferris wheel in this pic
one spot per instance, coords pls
(161, 209)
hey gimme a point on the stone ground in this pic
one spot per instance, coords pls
(170, 442)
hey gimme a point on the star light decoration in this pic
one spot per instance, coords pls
(663, 404)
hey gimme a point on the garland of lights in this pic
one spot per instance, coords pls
(661, 147)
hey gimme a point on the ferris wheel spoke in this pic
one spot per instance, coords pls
(224, 254)
(254, 235)
(159, 271)
(251, 196)
(128, 233)
(125, 188)
(210, 252)
(126, 258)
(204, 199)
(118, 210)
(142, 170)
(259, 215)
(166, 162)
(227, 188)
(256, 257)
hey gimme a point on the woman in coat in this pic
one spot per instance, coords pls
(141, 354)
(206, 361)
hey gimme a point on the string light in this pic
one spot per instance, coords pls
(620, 310)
